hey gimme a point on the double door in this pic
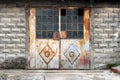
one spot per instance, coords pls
(59, 38)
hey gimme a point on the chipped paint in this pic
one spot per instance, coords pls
(32, 30)
(55, 53)
(82, 45)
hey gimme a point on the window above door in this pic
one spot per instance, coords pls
(51, 20)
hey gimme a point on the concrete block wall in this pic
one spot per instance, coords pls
(12, 38)
(105, 36)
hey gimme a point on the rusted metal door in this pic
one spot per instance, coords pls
(75, 47)
(59, 38)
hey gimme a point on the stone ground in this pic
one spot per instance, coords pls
(58, 75)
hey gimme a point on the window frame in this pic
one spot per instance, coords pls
(59, 22)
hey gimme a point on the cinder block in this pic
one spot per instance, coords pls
(23, 40)
(108, 30)
(117, 50)
(5, 20)
(2, 60)
(2, 56)
(103, 15)
(11, 25)
(2, 14)
(10, 46)
(20, 35)
(10, 35)
(112, 35)
(10, 14)
(116, 19)
(5, 50)
(22, 20)
(116, 10)
(113, 14)
(108, 50)
(21, 25)
(17, 40)
(97, 36)
(108, 20)
(113, 24)
(10, 56)
(103, 35)
(117, 40)
(15, 50)
(2, 46)
(96, 15)
(113, 45)
(5, 40)
(98, 40)
(16, 30)
(23, 51)
(2, 25)
(98, 20)
(23, 30)
(99, 30)
(103, 25)
(21, 46)
(108, 40)
(98, 61)
(117, 30)
(15, 20)
(98, 50)
(2, 35)
(108, 10)
(103, 45)
(21, 14)
(6, 30)
(109, 61)
(21, 55)
(119, 14)
(95, 45)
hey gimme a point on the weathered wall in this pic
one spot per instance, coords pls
(12, 37)
(105, 36)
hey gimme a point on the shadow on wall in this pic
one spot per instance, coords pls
(16, 63)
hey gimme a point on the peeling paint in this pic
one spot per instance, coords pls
(58, 47)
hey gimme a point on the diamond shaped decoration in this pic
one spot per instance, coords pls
(72, 53)
(47, 54)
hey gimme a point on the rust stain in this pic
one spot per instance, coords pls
(32, 30)
(63, 34)
(86, 24)
(40, 44)
(56, 36)
(82, 42)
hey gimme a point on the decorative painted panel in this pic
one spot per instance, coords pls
(47, 54)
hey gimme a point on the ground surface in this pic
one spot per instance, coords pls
(58, 75)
